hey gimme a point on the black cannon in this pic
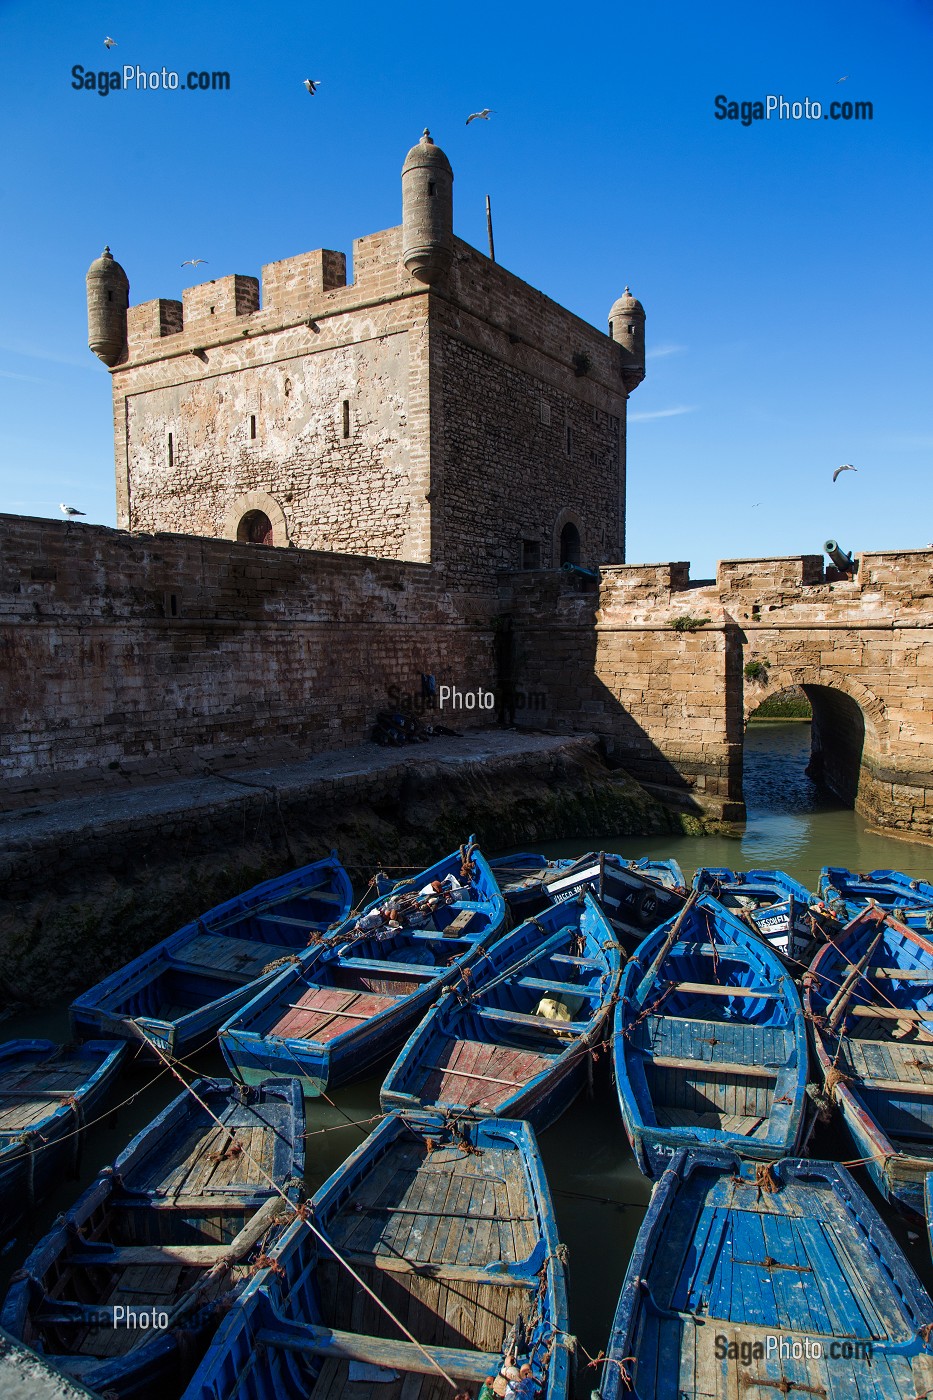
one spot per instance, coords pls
(843, 562)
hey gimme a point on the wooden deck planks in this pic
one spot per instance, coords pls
(239, 955)
(321, 1013)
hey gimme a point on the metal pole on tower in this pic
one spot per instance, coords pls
(492, 246)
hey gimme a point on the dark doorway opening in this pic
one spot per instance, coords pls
(569, 544)
(836, 743)
(255, 528)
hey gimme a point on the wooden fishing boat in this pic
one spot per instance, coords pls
(181, 990)
(328, 1020)
(870, 997)
(709, 1043)
(514, 1038)
(763, 1282)
(636, 895)
(48, 1093)
(451, 1226)
(523, 878)
(126, 1289)
(779, 907)
(911, 901)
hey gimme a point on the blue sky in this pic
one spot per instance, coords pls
(785, 267)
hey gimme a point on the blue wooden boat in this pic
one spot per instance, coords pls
(710, 1045)
(48, 1093)
(514, 1039)
(787, 1283)
(779, 907)
(328, 1020)
(636, 895)
(910, 900)
(186, 986)
(126, 1289)
(870, 998)
(451, 1224)
(523, 878)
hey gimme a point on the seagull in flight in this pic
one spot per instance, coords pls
(846, 467)
(70, 510)
(194, 262)
(482, 116)
(110, 43)
(843, 79)
(312, 84)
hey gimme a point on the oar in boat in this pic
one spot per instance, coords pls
(666, 946)
(236, 1251)
(836, 1008)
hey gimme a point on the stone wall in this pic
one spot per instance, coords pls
(151, 655)
(673, 702)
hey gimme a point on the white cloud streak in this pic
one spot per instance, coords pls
(662, 413)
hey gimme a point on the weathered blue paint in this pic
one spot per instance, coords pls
(885, 1093)
(293, 1319)
(71, 1082)
(138, 1216)
(723, 1260)
(186, 986)
(636, 895)
(567, 951)
(720, 1067)
(416, 962)
(776, 904)
(523, 877)
(892, 889)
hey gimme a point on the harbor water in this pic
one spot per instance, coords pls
(599, 1194)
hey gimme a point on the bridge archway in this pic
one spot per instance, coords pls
(847, 729)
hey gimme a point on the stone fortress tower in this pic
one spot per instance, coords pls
(436, 409)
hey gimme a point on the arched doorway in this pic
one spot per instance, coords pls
(569, 544)
(255, 528)
(837, 739)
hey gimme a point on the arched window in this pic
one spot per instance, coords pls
(255, 528)
(569, 544)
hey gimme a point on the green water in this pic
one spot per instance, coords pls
(599, 1194)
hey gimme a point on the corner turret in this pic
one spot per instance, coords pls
(627, 327)
(427, 211)
(108, 297)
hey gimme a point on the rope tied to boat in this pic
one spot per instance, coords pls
(280, 962)
(601, 1359)
(765, 1180)
(834, 1077)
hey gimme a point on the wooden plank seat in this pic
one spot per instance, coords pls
(459, 923)
(719, 989)
(527, 1018)
(126, 1256)
(541, 984)
(384, 965)
(902, 1088)
(719, 1066)
(899, 974)
(459, 1362)
(572, 961)
(890, 1013)
(289, 921)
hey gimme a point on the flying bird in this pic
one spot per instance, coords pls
(70, 510)
(110, 43)
(843, 79)
(846, 467)
(482, 116)
(194, 262)
(312, 84)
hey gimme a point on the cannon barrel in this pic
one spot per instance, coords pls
(843, 562)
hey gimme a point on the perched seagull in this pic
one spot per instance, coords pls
(194, 262)
(312, 84)
(482, 116)
(843, 79)
(846, 467)
(70, 510)
(110, 43)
